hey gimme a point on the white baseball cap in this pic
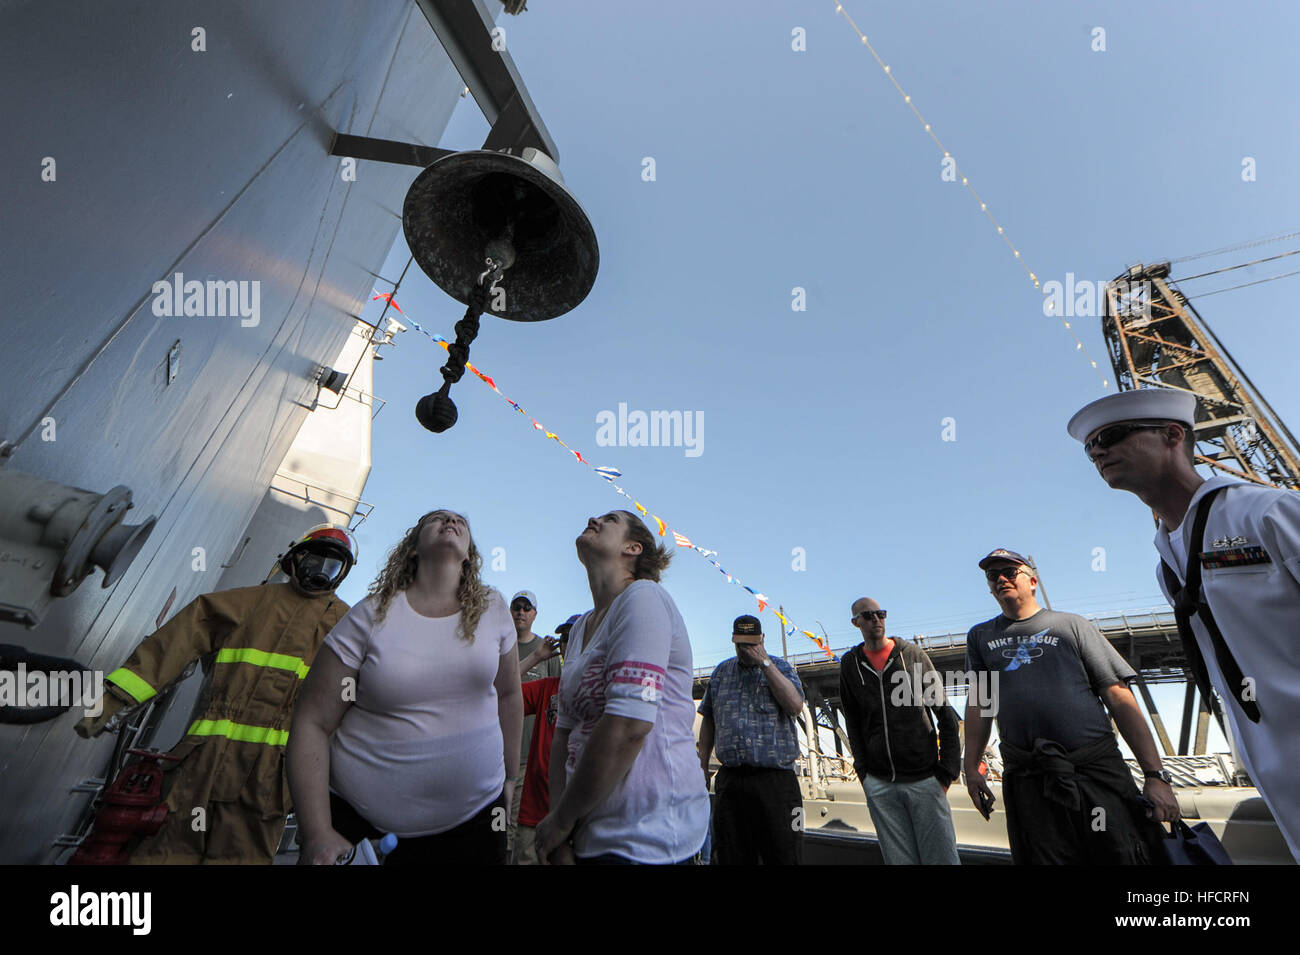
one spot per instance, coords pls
(527, 595)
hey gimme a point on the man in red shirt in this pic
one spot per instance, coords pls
(541, 699)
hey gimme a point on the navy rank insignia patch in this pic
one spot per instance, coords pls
(1234, 557)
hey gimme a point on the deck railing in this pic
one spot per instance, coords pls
(1136, 622)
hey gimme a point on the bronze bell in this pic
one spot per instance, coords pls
(477, 204)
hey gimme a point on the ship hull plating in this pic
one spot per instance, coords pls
(147, 141)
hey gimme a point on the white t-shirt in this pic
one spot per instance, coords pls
(420, 750)
(638, 664)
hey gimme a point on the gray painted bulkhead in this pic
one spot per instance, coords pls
(213, 164)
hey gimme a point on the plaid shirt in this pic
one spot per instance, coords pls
(750, 728)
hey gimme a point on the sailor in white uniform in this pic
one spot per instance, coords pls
(1248, 644)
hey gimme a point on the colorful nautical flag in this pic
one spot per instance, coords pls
(388, 297)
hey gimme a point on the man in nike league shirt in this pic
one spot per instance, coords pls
(1069, 796)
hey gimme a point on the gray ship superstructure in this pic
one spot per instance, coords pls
(185, 264)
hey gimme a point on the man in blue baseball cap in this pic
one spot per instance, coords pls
(1070, 798)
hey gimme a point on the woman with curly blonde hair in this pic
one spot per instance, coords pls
(412, 711)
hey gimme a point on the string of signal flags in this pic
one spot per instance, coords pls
(612, 476)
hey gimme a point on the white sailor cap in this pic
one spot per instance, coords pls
(1144, 404)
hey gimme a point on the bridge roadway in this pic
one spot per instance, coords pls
(1147, 639)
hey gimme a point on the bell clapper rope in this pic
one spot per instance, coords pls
(437, 412)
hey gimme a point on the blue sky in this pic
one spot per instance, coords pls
(822, 429)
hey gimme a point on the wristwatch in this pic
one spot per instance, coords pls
(766, 663)
(1161, 774)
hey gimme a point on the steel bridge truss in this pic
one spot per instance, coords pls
(1156, 339)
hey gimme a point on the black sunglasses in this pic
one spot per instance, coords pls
(522, 605)
(878, 614)
(1117, 433)
(1010, 573)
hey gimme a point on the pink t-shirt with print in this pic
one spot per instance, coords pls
(638, 665)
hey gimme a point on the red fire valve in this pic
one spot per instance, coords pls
(132, 806)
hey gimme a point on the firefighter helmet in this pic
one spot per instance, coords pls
(321, 558)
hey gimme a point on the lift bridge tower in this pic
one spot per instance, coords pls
(1156, 339)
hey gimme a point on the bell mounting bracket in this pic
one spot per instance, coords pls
(464, 27)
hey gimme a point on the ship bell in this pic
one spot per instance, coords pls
(480, 204)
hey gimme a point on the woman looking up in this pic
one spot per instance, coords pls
(412, 712)
(626, 786)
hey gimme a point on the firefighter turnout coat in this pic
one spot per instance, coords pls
(229, 794)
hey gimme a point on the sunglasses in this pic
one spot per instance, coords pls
(1007, 572)
(864, 614)
(525, 607)
(1117, 433)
